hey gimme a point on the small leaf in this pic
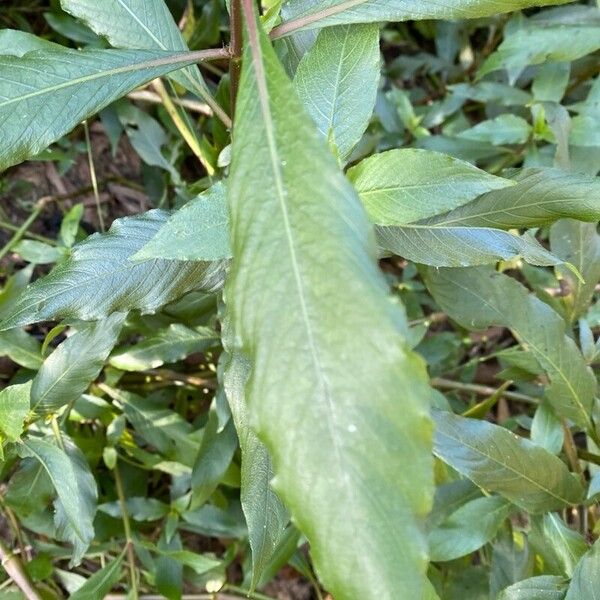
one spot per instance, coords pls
(342, 60)
(21, 348)
(168, 345)
(505, 129)
(75, 486)
(201, 228)
(499, 461)
(398, 187)
(546, 429)
(14, 408)
(99, 278)
(101, 582)
(77, 361)
(470, 527)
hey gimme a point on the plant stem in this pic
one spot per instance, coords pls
(589, 456)
(571, 449)
(29, 234)
(15, 570)
(16, 238)
(92, 167)
(246, 593)
(480, 390)
(57, 434)
(185, 131)
(151, 97)
(127, 527)
(235, 48)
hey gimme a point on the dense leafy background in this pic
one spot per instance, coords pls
(184, 320)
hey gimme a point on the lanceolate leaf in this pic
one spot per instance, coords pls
(168, 345)
(70, 369)
(343, 60)
(317, 13)
(540, 197)
(479, 297)
(403, 186)
(101, 582)
(46, 93)
(441, 246)
(200, 228)
(304, 266)
(265, 514)
(144, 24)
(75, 487)
(499, 461)
(100, 278)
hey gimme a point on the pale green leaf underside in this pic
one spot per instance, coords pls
(337, 82)
(46, 93)
(304, 282)
(200, 228)
(137, 24)
(14, 407)
(539, 197)
(440, 246)
(100, 278)
(479, 298)
(499, 461)
(584, 583)
(317, 13)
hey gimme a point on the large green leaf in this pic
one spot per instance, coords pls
(14, 407)
(543, 587)
(101, 582)
(441, 246)
(75, 487)
(398, 187)
(584, 583)
(351, 457)
(342, 61)
(201, 228)
(70, 369)
(167, 345)
(540, 197)
(479, 297)
(99, 278)
(143, 24)
(500, 461)
(467, 529)
(67, 87)
(317, 13)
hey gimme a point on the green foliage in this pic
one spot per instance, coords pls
(344, 320)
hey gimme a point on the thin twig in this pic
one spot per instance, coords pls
(128, 537)
(16, 238)
(153, 98)
(235, 47)
(93, 178)
(15, 570)
(480, 390)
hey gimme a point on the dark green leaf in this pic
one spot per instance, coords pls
(101, 582)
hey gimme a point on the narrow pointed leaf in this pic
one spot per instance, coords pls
(539, 197)
(403, 186)
(317, 13)
(75, 487)
(441, 246)
(201, 228)
(355, 439)
(479, 298)
(497, 460)
(99, 277)
(101, 582)
(67, 87)
(77, 361)
(342, 61)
